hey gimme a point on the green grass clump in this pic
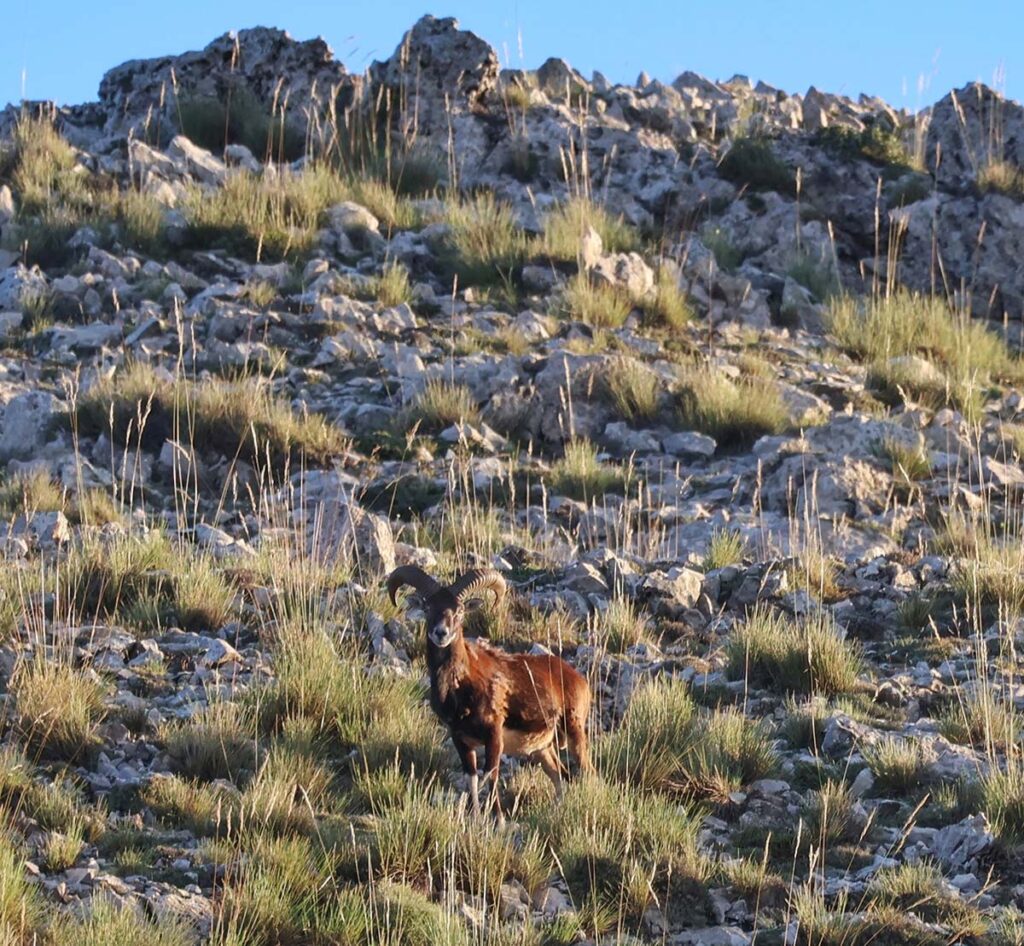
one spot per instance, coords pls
(484, 245)
(393, 287)
(147, 581)
(982, 718)
(21, 907)
(439, 405)
(29, 493)
(920, 889)
(217, 742)
(1000, 796)
(726, 253)
(40, 165)
(392, 208)
(994, 579)
(633, 389)
(909, 464)
(899, 765)
(62, 849)
(665, 744)
(259, 292)
(831, 815)
(237, 419)
(270, 216)
(56, 710)
(581, 475)
(727, 547)
(383, 717)
(566, 225)
(752, 162)
(965, 356)
(801, 657)
(597, 304)
(621, 626)
(816, 275)
(1002, 177)
(732, 412)
(417, 842)
(669, 307)
(620, 849)
(105, 923)
(56, 196)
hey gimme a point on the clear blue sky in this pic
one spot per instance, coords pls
(60, 48)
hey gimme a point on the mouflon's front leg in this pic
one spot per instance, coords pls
(493, 748)
(467, 756)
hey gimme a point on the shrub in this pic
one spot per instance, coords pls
(804, 657)
(752, 162)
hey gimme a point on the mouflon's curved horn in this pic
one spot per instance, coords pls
(478, 579)
(410, 575)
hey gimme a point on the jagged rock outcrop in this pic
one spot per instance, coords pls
(971, 128)
(266, 63)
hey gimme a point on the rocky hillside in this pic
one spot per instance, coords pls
(725, 381)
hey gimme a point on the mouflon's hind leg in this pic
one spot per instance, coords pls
(576, 732)
(553, 767)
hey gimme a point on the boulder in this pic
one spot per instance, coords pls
(25, 424)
